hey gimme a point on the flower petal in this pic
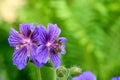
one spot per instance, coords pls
(63, 41)
(35, 36)
(116, 78)
(88, 76)
(25, 29)
(76, 78)
(20, 57)
(55, 59)
(33, 49)
(53, 32)
(85, 76)
(42, 34)
(14, 38)
(42, 54)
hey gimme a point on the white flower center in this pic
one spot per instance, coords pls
(48, 44)
(27, 41)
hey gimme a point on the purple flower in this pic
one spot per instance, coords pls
(25, 44)
(116, 78)
(50, 45)
(85, 76)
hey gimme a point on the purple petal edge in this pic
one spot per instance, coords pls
(14, 38)
(53, 32)
(35, 37)
(63, 41)
(25, 29)
(42, 34)
(116, 78)
(42, 54)
(20, 58)
(32, 56)
(85, 76)
(55, 59)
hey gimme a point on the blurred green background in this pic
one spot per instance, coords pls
(92, 29)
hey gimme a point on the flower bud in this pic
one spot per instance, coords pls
(61, 71)
(75, 71)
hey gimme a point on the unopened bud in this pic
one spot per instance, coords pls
(75, 71)
(61, 71)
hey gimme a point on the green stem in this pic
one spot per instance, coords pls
(39, 74)
(55, 77)
(68, 75)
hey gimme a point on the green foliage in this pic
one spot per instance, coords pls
(92, 29)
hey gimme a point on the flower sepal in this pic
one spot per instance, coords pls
(61, 71)
(49, 64)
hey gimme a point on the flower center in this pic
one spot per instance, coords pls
(56, 46)
(48, 44)
(27, 41)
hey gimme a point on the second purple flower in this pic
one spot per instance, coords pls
(116, 78)
(50, 45)
(85, 76)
